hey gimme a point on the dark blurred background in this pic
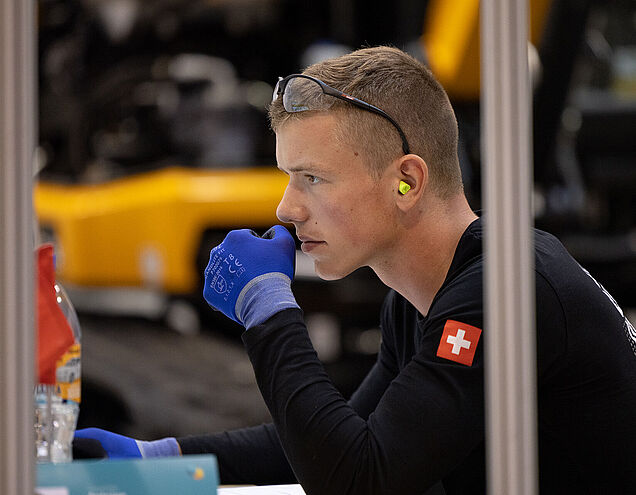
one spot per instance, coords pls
(131, 86)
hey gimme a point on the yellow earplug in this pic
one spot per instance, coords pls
(403, 187)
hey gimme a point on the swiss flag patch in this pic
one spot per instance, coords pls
(459, 342)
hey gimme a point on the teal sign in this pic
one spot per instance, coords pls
(192, 475)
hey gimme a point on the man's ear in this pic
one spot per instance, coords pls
(411, 180)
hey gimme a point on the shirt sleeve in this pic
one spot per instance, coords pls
(366, 397)
(426, 422)
(245, 456)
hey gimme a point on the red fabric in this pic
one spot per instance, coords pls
(54, 333)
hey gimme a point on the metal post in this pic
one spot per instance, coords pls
(509, 271)
(17, 144)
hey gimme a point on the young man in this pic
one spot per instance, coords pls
(374, 181)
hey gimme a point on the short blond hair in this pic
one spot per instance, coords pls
(405, 89)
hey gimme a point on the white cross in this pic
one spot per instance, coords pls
(458, 341)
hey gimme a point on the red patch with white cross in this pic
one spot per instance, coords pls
(459, 342)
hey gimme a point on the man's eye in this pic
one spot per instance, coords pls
(312, 179)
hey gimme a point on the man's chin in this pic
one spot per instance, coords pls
(330, 273)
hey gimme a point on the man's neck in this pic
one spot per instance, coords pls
(417, 266)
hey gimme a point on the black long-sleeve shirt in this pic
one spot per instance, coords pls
(418, 417)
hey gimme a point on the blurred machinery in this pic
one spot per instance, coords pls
(147, 230)
(582, 57)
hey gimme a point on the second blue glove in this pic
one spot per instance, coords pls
(119, 446)
(248, 277)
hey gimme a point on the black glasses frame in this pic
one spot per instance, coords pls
(279, 90)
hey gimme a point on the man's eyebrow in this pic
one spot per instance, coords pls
(308, 168)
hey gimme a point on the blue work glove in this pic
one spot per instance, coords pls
(118, 446)
(249, 277)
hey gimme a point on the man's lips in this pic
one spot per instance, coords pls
(308, 244)
(306, 238)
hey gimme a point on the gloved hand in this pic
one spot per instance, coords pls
(118, 446)
(249, 277)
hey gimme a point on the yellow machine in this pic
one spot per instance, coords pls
(148, 230)
(451, 42)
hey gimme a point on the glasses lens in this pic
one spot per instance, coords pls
(303, 94)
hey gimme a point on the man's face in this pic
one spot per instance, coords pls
(343, 216)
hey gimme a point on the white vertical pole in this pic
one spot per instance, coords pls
(509, 271)
(17, 144)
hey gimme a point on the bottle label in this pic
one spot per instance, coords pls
(68, 374)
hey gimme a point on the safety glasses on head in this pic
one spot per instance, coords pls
(302, 93)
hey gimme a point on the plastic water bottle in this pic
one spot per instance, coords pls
(57, 406)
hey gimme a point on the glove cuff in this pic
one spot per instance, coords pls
(263, 297)
(165, 447)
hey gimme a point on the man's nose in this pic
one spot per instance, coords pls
(291, 209)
